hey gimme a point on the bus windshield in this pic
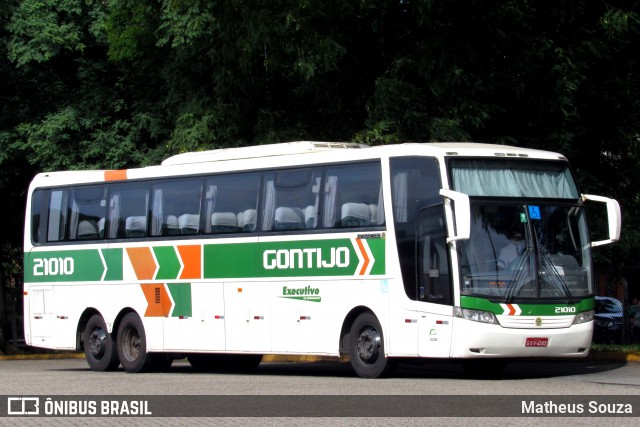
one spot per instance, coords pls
(518, 251)
(528, 233)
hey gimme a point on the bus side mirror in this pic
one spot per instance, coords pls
(613, 215)
(462, 214)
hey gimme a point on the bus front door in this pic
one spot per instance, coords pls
(434, 293)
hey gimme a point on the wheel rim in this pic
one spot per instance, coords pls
(97, 343)
(131, 341)
(368, 345)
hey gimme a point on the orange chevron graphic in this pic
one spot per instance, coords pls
(159, 303)
(363, 251)
(192, 260)
(143, 263)
(511, 309)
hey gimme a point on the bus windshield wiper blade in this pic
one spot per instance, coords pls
(517, 275)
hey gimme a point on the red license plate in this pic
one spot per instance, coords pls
(536, 342)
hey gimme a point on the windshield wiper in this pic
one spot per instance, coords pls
(548, 266)
(520, 270)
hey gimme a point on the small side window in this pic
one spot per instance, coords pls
(128, 206)
(231, 203)
(57, 221)
(291, 200)
(88, 213)
(176, 207)
(353, 196)
(38, 228)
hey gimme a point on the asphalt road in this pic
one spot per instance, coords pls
(306, 383)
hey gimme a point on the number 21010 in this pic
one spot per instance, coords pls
(53, 266)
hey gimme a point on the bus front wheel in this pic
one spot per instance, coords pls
(367, 347)
(99, 346)
(132, 345)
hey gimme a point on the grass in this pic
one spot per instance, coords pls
(623, 348)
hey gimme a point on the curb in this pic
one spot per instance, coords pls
(42, 356)
(605, 356)
(281, 358)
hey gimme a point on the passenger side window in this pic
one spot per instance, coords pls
(128, 206)
(231, 202)
(176, 207)
(414, 181)
(57, 221)
(37, 229)
(88, 213)
(353, 196)
(291, 199)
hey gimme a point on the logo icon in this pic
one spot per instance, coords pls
(23, 406)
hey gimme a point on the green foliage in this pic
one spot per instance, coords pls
(616, 348)
(200, 126)
(618, 23)
(68, 140)
(130, 27)
(42, 29)
(186, 22)
(383, 132)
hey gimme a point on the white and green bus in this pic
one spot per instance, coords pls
(462, 251)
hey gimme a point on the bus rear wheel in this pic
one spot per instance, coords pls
(99, 345)
(367, 348)
(132, 345)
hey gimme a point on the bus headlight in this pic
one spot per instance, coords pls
(475, 315)
(585, 316)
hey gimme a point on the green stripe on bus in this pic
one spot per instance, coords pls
(113, 258)
(336, 257)
(377, 249)
(181, 294)
(168, 261)
(84, 265)
(538, 309)
(295, 258)
(237, 260)
(64, 266)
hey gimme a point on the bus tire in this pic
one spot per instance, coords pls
(132, 345)
(367, 347)
(99, 345)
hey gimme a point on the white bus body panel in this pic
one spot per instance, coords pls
(477, 340)
(205, 329)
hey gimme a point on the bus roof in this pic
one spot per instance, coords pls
(308, 147)
(279, 156)
(256, 151)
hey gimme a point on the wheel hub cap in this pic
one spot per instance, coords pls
(97, 342)
(368, 345)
